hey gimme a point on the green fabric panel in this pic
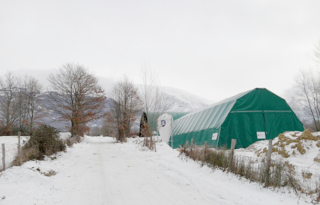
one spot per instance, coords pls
(212, 113)
(260, 99)
(199, 138)
(194, 122)
(243, 127)
(177, 115)
(277, 123)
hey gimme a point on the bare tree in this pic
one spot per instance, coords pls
(8, 111)
(28, 104)
(21, 106)
(126, 105)
(76, 96)
(32, 105)
(153, 99)
(308, 95)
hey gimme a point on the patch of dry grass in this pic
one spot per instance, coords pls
(306, 175)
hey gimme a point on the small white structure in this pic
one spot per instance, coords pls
(165, 122)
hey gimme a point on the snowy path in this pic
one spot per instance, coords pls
(99, 171)
(109, 174)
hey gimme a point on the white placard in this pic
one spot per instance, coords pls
(214, 136)
(261, 135)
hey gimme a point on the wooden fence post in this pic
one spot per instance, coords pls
(233, 145)
(268, 162)
(3, 157)
(19, 148)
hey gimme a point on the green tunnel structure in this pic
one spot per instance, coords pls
(250, 116)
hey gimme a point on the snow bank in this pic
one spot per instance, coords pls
(298, 148)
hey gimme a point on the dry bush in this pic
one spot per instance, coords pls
(26, 155)
(146, 133)
(45, 141)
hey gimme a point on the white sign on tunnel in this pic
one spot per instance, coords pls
(261, 135)
(214, 136)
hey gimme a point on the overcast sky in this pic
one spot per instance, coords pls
(212, 48)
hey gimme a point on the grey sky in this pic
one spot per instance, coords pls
(210, 48)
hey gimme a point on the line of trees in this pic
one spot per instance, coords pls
(19, 104)
(74, 95)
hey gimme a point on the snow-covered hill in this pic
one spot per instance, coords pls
(178, 100)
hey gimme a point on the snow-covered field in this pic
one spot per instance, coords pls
(11, 147)
(100, 171)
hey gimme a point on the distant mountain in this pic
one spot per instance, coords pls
(176, 100)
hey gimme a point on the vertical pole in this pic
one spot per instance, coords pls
(172, 141)
(269, 152)
(3, 157)
(171, 134)
(233, 145)
(268, 162)
(19, 147)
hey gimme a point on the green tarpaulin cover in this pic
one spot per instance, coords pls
(250, 116)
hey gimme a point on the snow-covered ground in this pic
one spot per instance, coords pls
(100, 171)
(11, 147)
(287, 143)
